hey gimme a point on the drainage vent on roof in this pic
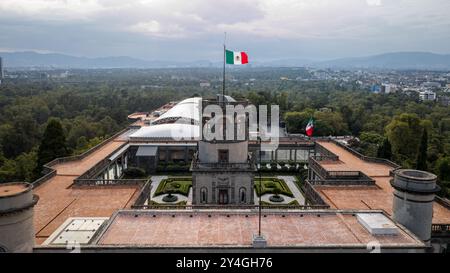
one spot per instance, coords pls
(377, 223)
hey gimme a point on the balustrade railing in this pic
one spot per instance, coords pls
(109, 182)
(440, 228)
(248, 207)
(249, 165)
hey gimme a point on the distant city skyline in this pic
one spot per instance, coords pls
(193, 30)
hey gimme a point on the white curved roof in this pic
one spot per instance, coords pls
(172, 131)
(187, 109)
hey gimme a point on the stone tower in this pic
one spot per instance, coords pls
(413, 201)
(222, 169)
(16, 217)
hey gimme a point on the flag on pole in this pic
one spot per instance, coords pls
(236, 57)
(310, 127)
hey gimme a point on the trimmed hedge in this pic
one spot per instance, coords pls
(173, 167)
(292, 168)
(292, 203)
(133, 172)
(271, 183)
(181, 203)
(178, 185)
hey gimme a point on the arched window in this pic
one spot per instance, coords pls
(203, 195)
(242, 196)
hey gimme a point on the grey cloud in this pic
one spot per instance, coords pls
(190, 30)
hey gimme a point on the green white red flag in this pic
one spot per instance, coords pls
(236, 57)
(310, 127)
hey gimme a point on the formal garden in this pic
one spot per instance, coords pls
(272, 185)
(174, 185)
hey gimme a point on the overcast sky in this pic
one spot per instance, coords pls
(189, 30)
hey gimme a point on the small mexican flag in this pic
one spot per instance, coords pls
(236, 57)
(310, 127)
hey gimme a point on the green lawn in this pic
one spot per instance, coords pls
(179, 185)
(271, 183)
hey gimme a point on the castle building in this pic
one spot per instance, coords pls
(87, 204)
(222, 169)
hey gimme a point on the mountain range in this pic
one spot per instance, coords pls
(396, 60)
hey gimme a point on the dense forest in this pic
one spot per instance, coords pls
(91, 105)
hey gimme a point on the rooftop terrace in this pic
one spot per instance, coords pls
(293, 229)
(379, 196)
(59, 199)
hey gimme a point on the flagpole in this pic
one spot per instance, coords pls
(224, 60)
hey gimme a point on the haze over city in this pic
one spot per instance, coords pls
(193, 30)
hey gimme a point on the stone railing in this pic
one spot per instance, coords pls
(318, 169)
(312, 195)
(100, 166)
(336, 177)
(86, 153)
(248, 207)
(247, 166)
(109, 182)
(325, 153)
(442, 201)
(143, 194)
(343, 182)
(50, 172)
(440, 229)
(361, 156)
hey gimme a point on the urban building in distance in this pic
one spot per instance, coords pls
(427, 95)
(221, 196)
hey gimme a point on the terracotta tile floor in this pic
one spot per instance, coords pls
(58, 200)
(80, 166)
(365, 197)
(229, 228)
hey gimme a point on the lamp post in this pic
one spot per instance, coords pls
(259, 241)
(260, 186)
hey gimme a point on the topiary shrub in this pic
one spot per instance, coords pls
(133, 172)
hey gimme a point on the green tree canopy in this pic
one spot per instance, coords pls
(421, 163)
(403, 133)
(53, 144)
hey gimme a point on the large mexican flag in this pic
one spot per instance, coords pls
(236, 57)
(310, 127)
